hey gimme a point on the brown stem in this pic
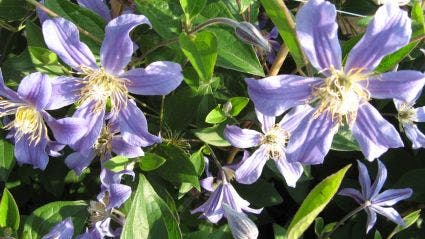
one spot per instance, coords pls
(280, 58)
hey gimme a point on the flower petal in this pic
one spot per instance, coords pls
(207, 184)
(65, 91)
(275, 94)
(292, 119)
(42, 16)
(242, 138)
(420, 114)
(353, 193)
(97, 6)
(392, 196)
(389, 30)
(232, 198)
(415, 135)
(6, 91)
(371, 219)
(402, 85)
(117, 47)
(381, 176)
(317, 31)
(67, 130)
(290, 171)
(62, 37)
(158, 78)
(62, 230)
(78, 161)
(120, 147)
(28, 153)
(364, 180)
(36, 89)
(118, 194)
(134, 127)
(212, 208)
(311, 141)
(389, 213)
(374, 134)
(250, 170)
(267, 122)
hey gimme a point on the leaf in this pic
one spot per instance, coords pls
(192, 8)
(389, 62)
(44, 60)
(270, 196)
(216, 115)
(117, 163)
(212, 135)
(418, 18)
(344, 141)
(34, 35)
(409, 220)
(178, 167)
(151, 161)
(149, 216)
(319, 224)
(44, 218)
(279, 232)
(413, 179)
(6, 159)
(12, 9)
(315, 202)
(283, 20)
(377, 235)
(238, 104)
(9, 212)
(201, 50)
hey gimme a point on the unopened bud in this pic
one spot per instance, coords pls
(248, 33)
(240, 225)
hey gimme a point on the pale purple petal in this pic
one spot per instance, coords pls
(97, 6)
(53, 148)
(275, 94)
(134, 127)
(389, 30)
(118, 194)
(120, 147)
(62, 230)
(6, 91)
(267, 122)
(207, 184)
(78, 161)
(312, 140)
(36, 89)
(317, 31)
(353, 193)
(117, 47)
(28, 153)
(374, 134)
(212, 208)
(389, 213)
(62, 37)
(242, 138)
(402, 85)
(67, 130)
(392, 196)
(250, 170)
(291, 171)
(371, 219)
(364, 180)
(420, 114)
(292, 119)
(381, 176)
(415, 135)
(65, 91)
(232, 198)
(158, 78)
(42, 16)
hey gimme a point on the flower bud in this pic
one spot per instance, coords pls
(248, 33)
(240, 225)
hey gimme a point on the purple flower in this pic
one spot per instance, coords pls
(271, 144)
(98, 86)
(29, 130)
(373, 201)
(342, 95)
(62, 230)
(408, 116)
(101, 8)
(222, 192)
(275, 45)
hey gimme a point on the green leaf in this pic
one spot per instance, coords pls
(44, 60)
(245, 4)
(389, 62)
(344, 141)
(418, 18)
(197, 160)
(201, 50)
(212, 135)
(34, 35)
(151, 161)
(413, 179)
(377, 235)
(41, 221)
(178, 167)
(409, 220)
(9, 212)
(216, 116)
(149, 216)
(315, 202)
(12, 9)
(284, 22)
(117, 163)
(192, 8)
(279, 232)
(270, 196)
(6, 159)
(319, 224)
(238, 104)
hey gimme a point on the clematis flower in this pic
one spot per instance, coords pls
(275, 45)
(222, 192)
(62, 230)
(342, 95)
(109, 83)
(240, 225)
(271, 144)
(408, 116)
(373, 201)
(101, 8)
(28, 129)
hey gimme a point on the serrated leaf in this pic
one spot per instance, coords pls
(117, 163)
(7, 160)
(151, 161)
(9, 212)
(44, 218)
(315, 202)
(212, 135)
(149, 216)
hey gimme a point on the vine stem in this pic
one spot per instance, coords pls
(54, 14)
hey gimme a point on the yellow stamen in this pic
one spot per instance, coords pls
(406, 114)
(276, 139)
(28, 121)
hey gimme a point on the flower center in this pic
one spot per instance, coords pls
(100, 87)
(406, 114)
(341, 94)
(28, 121)
(103, 144)
(97, 210)
(276, 139)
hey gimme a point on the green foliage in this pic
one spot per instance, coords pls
(12, 9)
(344, 141)
(409, 220)
(213, 135)
(9, 212)
(6, 159)
(151, 161)
(117, 163)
